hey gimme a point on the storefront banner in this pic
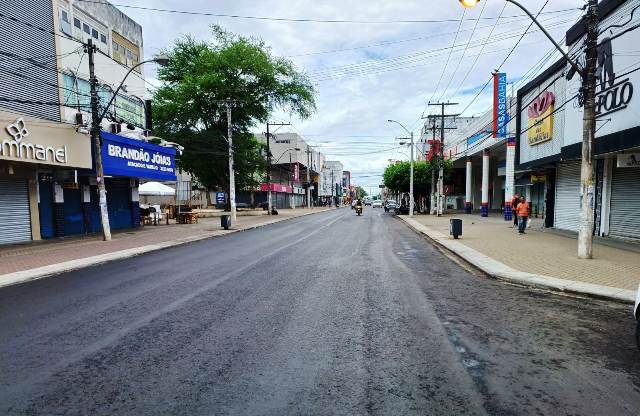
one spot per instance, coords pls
(123, 156)
(26, 139)
(629, 160)
(617, 107)
(276, 187)
(296, 172)
(499, 105)
(540, 114)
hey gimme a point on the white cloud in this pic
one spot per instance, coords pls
(391, 81)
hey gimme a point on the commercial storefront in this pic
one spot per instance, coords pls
(616, 191)
(126, 161)
(38, 160)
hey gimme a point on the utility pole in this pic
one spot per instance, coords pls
(434, 163)
(232, 178)
(269, 206)
(587, 182)
(90, 49)
(309, 163)
(333, 185)
(443, 116)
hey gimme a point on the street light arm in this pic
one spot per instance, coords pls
(573, 64)
(285, 152)
(115, 94)
(399, 124)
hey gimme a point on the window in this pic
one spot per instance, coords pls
(130, 110)
(115, 46)
(86, 28)
(65, 25)
(103, 38)
(94, 33)
(76, 23)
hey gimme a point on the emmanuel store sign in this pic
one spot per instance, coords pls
(26, 139)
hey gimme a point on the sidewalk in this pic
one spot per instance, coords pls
(538, 258)
(19, 263)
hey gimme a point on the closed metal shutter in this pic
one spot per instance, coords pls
(15, 216)
(624, 220)
(567, 204)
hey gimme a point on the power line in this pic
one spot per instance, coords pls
(297, 20)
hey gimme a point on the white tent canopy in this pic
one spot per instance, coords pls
(156, 189)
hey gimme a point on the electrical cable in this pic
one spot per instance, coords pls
(299, 20)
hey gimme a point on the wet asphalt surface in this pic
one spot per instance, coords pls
(325, 314)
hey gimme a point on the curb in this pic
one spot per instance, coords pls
(501, 271)
(23, 276)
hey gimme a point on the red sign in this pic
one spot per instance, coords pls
(296, 172)
(276, 187)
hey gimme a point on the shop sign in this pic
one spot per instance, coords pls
(54, 145)
(276, 187)
(220, 197)
(540, 114)
(134, 158)
(538, 179)
(612, 93)
(296, 172)
(629, 160)
(499, 105)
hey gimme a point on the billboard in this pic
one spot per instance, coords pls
(500, 105)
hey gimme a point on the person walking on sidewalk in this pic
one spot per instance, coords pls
(523, 214)
(515, 199)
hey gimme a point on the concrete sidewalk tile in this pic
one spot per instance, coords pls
(537, 259)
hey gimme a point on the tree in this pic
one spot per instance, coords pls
(396, 176)
(189, 108)
(360, 192)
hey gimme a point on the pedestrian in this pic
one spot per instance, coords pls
(515, 199)
(523, 215)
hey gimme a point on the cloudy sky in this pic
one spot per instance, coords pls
(386, 63)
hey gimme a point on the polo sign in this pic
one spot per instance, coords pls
(123, 156)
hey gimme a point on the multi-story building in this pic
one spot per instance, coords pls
(331, 181)
(46, 104)
(293, 164)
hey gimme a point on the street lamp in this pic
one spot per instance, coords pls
(96, 122)
(411, 169)
(588, 91)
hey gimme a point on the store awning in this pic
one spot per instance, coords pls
(156, 189)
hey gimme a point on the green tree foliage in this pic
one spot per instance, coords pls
(360, 192)
(189, 107)
(396, 176)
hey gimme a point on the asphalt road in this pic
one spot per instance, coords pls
(325, 314)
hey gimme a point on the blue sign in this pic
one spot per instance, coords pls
(220, 197)
(500, 105)
(122, 156)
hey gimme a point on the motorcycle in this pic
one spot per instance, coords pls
(359, 209)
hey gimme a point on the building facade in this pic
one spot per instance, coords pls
(47, 156)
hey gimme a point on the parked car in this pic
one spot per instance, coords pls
(367, 202)
(376, 204)
(390, 206)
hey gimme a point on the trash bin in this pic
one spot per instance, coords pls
(455, 227)
(225, 221)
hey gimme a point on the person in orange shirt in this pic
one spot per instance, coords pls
(522, 210)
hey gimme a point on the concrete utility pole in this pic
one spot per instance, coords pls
(443, 117)
(90, 48)
(434, 160)
(588, 91)
(232, 178)
(269, 206)
(587, 177)
(309, 159)
(411, 198)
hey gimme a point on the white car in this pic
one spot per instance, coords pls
(376, 204)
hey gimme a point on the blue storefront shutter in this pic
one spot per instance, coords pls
(73, 217)
(118, 204)
(47, 224)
